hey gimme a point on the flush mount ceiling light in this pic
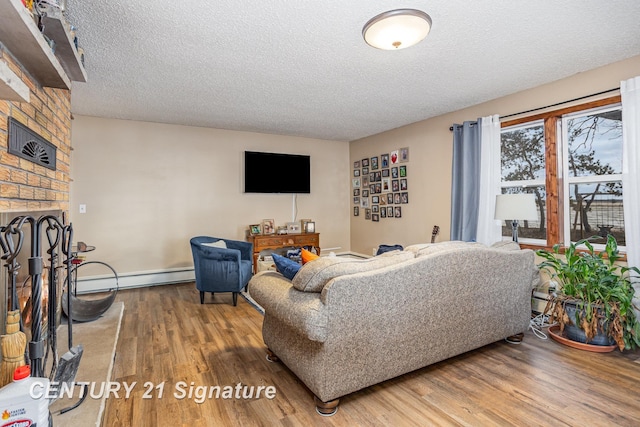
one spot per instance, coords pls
(397, 29)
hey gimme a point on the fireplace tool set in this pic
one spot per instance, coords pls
(44, 277)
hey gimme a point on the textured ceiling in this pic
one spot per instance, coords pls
(302, 68)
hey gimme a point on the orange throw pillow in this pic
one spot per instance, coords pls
(308, 256)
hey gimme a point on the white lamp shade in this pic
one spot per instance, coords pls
(397, 29)
(516, 207)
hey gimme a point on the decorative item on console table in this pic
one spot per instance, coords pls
(303, 225)
(293, 228)
(593, 303)
(275, 241)
(254, 229)
(268, 226)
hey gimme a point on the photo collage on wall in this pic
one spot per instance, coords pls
(380, 185)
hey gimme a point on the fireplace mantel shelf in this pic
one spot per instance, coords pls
(11, 87)
(21, 36)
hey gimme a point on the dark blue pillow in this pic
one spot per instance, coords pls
(285, 266)
(388, 248)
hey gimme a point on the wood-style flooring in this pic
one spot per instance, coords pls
(168, 337)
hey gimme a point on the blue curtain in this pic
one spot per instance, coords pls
(465, 182)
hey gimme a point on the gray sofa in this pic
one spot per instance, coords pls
(342, 325)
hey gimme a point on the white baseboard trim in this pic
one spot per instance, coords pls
(135, 279)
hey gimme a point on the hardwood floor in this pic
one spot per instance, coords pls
(167, 336)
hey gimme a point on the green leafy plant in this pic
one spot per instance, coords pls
(599, 286)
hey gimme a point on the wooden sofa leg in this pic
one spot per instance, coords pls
(515, 339)
(271, 356)
(326, 409)
(201, 297)
(235, 299)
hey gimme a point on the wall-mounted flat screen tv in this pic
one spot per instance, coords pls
(276, 173)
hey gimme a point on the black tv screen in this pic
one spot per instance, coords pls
(276, 173)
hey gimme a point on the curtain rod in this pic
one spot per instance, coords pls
(556, 104)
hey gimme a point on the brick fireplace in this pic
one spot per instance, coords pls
(25, 186)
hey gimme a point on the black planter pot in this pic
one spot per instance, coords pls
(575, 333)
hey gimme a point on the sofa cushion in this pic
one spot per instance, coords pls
(308, 256)
(506, 245)
(217, 244)
(288, 268)
(314, 275)
(429, 248)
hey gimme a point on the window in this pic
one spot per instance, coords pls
(592, 153)
(571, 159)
(522, 159)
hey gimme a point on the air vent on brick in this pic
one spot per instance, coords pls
(25, 143)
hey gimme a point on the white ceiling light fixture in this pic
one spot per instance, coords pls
(397, 29)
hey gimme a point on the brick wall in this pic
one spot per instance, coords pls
(26, 186)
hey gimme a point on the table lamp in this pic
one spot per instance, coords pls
(516, 207)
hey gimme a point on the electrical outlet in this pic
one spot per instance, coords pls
(83, 208)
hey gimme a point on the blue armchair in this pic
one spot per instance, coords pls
(220, 269)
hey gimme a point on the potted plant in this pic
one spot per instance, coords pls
(593, 302)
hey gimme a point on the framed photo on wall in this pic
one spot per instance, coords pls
(386, 185)
(394, 157)
(404, 155)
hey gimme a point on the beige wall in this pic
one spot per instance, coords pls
(430, 144)
(150, 187)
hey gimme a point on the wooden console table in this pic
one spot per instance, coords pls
(276, 241)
